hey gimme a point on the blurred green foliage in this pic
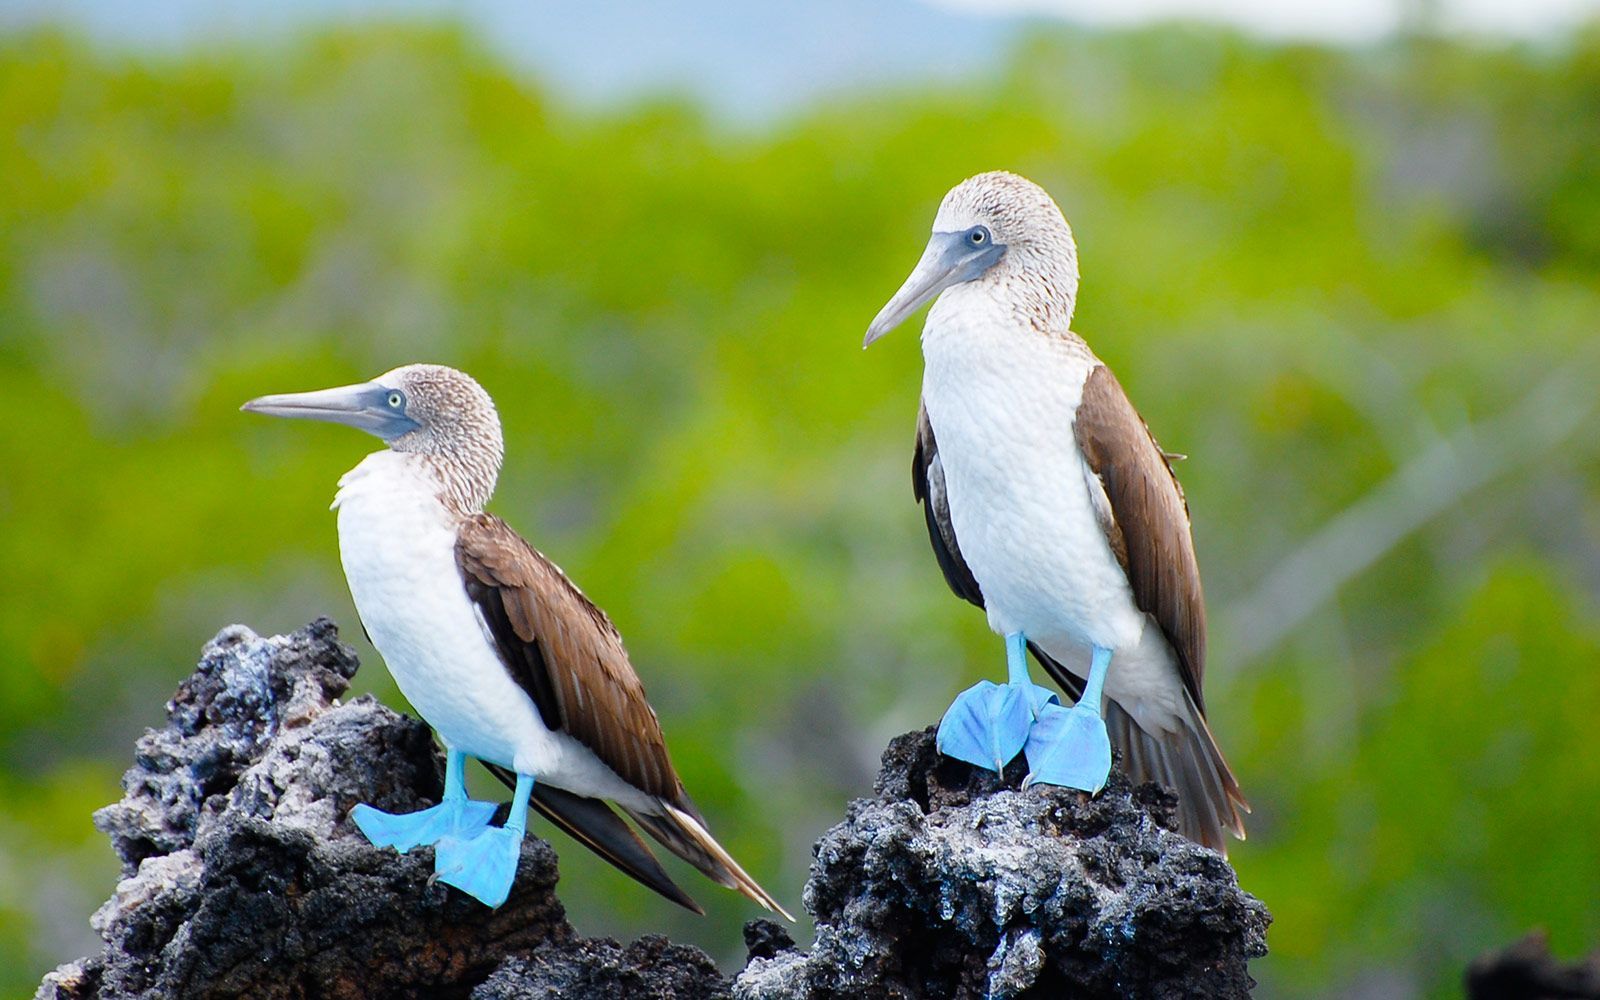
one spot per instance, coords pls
(1312, 269)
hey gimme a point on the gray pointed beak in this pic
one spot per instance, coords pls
(947, 260)
(365, 406)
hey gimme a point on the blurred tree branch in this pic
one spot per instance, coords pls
(1435, 480)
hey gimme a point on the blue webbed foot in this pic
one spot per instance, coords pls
(402, 831)
(482, 867)
(1069, 747)
(454, 816)
(987, 725)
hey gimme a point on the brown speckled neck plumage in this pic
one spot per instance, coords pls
(466, 482)
(458, 441)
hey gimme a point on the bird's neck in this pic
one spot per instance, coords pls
(991, 317)
(460, 484)
(1040, 289)
(466, 481)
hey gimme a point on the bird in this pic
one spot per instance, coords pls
(1050, 505)
(496, 648)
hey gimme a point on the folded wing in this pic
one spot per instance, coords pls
(564, 651)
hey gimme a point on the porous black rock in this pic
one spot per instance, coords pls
(955, 882)
(651, 968)
(244, 878)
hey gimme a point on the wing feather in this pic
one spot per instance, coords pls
(1146, 519)
(927, 485)
(565, 653)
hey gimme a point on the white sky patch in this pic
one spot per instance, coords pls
(1334, 20)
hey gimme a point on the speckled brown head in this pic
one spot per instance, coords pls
(1001, 229)
(428, 410)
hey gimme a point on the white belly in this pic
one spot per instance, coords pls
(1001, 402)
(398, 548)
(397, 543)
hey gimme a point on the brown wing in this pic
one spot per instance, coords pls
(1148, 520)
(927, 485)
(565, 653)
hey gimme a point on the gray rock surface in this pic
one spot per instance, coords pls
(955, 882)
(242, 876)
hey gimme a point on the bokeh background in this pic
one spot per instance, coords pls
(1346, 263)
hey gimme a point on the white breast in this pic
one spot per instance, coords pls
(1001, 399)
(397, 543)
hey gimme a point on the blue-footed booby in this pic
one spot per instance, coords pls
(501, 654)
(1050, 506)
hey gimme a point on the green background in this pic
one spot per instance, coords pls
(1357, 288)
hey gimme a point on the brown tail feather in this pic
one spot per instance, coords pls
(1188, 761)
(681, 831)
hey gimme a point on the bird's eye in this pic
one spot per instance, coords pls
(396, 400)
(977, 236)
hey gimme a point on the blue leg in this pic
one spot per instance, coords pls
(988, 723)
(1017, 673)
(483, 866)
(1069, 746)
(454, 815)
